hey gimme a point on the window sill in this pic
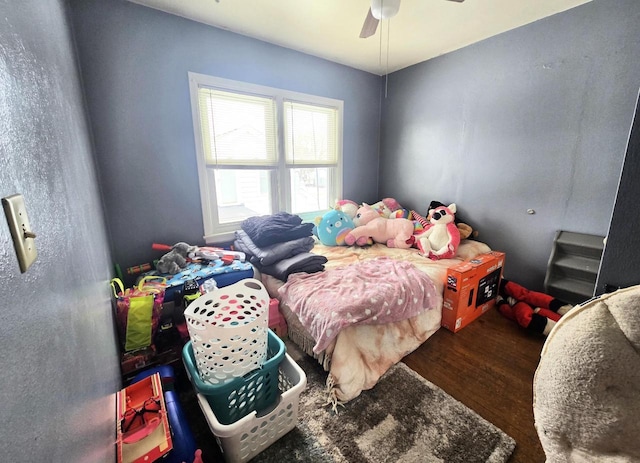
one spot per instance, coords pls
(219, 239)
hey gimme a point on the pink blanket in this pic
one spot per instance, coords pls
(373, 291)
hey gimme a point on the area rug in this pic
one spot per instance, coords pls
(404, 418)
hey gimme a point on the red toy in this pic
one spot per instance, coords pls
(537, 312)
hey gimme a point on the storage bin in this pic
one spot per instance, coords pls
(228, 330)
(244, 439)
(256, 390)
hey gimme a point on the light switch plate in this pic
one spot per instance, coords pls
(23, 237)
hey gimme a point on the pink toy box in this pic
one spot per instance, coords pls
(277, 323)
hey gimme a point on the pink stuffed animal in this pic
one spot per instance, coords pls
(395, 233)
(347, 206)
(441, 238)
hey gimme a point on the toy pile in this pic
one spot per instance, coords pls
(437, 235)
(180, 254)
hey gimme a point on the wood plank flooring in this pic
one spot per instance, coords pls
(489, 367)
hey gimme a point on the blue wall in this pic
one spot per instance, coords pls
(535, 118)
(60, 368)
(135, 62)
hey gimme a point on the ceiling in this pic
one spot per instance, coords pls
(330, 29)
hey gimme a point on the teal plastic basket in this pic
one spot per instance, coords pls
(237, 398)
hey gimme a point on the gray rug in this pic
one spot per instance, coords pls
(404, 418)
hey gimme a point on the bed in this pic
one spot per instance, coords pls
(361, 353)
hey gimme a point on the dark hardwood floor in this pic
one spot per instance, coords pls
(489, 367)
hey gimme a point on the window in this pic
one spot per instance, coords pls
(262, 150)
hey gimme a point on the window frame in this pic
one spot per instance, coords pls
(281, 194)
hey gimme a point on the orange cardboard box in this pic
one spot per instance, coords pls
(471, 289)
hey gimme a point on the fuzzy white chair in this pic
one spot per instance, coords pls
(586, 390)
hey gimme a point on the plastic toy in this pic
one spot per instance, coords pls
(134, 270)
(184, 444)
(441, 237)
(211, 253)
(143, 431)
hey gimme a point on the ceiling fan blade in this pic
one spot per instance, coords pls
(459, 1)
(370, 25)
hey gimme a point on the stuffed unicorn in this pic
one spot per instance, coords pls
(395, 233)
(441, 237)
(347, 206)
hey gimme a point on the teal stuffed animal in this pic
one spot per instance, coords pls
(333, 227)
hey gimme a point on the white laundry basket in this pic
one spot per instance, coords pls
(242, 440)
(228, 330)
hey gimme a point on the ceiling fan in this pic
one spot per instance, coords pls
(381, 9)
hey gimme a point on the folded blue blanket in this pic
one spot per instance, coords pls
(271, 254)
(305, 262)
(265, 230)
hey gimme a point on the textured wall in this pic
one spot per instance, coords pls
(535, 118)
(59, 361)
(134, 63)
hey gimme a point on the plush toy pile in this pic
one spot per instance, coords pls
(333, 227)
(437, 235)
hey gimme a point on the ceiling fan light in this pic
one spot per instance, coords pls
(384, 9)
